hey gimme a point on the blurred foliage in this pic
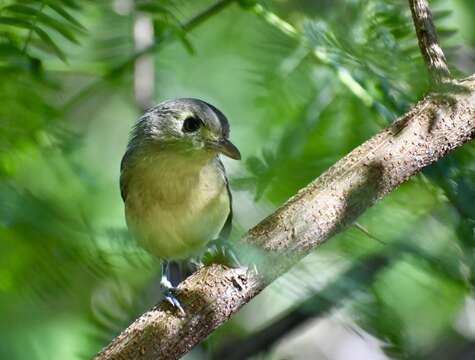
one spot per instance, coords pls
(303, 82)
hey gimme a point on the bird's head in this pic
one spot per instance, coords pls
(185, 125)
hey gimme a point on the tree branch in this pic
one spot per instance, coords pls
(429, 43)
(433, 127)
(355, 278)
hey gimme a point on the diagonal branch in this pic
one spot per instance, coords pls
(429, 43)
(356, 277)
(433, 127)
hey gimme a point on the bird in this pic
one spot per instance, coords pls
(174, 186)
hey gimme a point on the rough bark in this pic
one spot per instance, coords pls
(356, 277)
(433, 127)
(428, 42)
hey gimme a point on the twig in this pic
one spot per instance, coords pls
(320, 210)
(367, 233)
(429, 43)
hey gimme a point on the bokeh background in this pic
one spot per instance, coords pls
(302, 82)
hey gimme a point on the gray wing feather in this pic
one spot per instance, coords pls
(124, 181)
(226, 230)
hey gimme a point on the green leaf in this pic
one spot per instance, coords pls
(5, 20)
(247, 4)
(42, 18)
(72, 4)
(21, 9)
(66, 16)
(446, 32)
(152, 8)
(256, 166)
(14, 57)
(58, 26)
(40, 32)
(182, 37)
(8, 50)
(47, 40)
(441, 14)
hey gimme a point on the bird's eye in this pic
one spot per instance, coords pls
(191, 124)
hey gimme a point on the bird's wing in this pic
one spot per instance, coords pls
(124, 178)
(226, 230)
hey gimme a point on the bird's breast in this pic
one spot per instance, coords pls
(175, 207)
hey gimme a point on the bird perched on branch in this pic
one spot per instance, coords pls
(174, 185)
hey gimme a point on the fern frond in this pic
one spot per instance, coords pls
(36, 23)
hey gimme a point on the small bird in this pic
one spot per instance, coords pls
(174, 185)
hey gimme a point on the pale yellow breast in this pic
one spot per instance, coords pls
(176, 206)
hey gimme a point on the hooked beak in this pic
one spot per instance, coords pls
(225, 147)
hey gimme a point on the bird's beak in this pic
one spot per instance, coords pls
(225, 147)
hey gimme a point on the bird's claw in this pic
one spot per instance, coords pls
(170, 297)
(168, 292)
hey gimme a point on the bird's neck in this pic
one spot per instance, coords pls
(173, 177)
(167, 165)
(172, 156)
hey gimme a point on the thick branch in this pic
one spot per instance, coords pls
(355, 278)
(429, 43)
(433, 127)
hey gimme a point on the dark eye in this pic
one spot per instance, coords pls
(191, 124)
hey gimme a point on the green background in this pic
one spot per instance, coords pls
(70, 276)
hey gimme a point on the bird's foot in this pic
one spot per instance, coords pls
(221, 252)
(168, 291)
